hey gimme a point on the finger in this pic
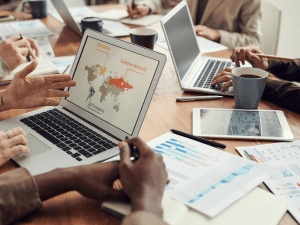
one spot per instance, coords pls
(58, 93)
(14, 38)
(129, 10)
(222, 79)
(61, 85)
(222, 73)
(254, 58)
(15, 132)
(115, 195)
(242, 56)
(18, 149)
(57, 78)
(125, 153)
(237, 59)
(168, 181)
(17, 140)
(226, 85)
(23, 51)
(22, 43)
(27, 70)
(140, 145)
(32, 53)
(34, 46)
(51, 102)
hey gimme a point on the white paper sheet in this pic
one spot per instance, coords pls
(203, 177)
(28, 28)
(113, 14)
(77, 13)
(144, 21)
(205, 45)
(45, 46)
(284, 182)
(62, 62)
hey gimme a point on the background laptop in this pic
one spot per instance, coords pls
(112, 28)
(116, 81)
(194, 72)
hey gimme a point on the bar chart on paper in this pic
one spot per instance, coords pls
(206, 178)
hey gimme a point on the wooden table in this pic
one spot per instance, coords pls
(163, 114)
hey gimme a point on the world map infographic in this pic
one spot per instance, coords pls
(112, 83)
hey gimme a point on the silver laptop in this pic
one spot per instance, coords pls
(112, 28)
(116, 81)
(194, 71)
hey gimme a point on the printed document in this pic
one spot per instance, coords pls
(206, 178)
(46, 49)
(284, 182)
(205, 45)
(28, 28)
(62, 62)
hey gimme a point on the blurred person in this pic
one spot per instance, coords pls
(13, 52)
(283, 93)
(143, 182)
(233, 23)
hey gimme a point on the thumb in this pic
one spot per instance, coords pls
(27, 70)
(116, 195)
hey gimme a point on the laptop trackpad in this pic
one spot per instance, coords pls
(35, 146)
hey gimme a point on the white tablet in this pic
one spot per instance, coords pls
(241, 124)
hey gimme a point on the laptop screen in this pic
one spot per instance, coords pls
(184, 46)
(112, 83)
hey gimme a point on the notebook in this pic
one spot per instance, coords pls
(144, 21)
(113, 14)
(44, 67)
(258, 207)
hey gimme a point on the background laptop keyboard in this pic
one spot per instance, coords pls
(72, 137)
(211, 69)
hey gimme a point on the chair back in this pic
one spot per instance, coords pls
(270, 27)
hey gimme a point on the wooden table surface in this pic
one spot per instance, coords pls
(163, 114)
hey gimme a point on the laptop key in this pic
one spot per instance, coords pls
(97, 152)
(107, 146)
(75, 155)
(69, 152)
(61, 145)
(66, 148)
(85, 153)
(78, 159)
(48, 136)
(78, 148)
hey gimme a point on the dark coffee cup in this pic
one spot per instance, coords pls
(144, 37)
(94, 23)
(38, 8)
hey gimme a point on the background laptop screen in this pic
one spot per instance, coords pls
(183, 43)
(112, 83)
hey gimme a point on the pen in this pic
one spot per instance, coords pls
(134, 152)
(202, 140)
(197, 98)
(28, 57)
(4, 84)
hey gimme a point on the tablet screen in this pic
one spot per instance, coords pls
(240, 123)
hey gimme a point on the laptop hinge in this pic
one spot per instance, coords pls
(114, 137)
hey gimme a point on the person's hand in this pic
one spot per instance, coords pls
(249, 53)
(138, 12)
(144, 180)
(11, 146)
(14, 50)
(93, 181)
(223, 76)
(29, 92)
(208, 33)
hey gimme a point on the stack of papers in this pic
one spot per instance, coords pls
(203, 177)
(284, 182)
(205, 45)
(28, 28)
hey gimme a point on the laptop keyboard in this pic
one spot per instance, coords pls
(211, 69)
(72, 137)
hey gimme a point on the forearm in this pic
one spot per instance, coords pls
(4, 101)
(54, 183)
(285, 69)
(235, 39)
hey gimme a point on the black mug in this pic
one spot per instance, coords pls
(38, 8)
(94, 23)
(144, 37)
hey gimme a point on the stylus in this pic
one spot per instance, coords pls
(187, 99)
(134, 152)
(203, 140)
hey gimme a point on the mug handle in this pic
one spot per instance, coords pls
(23, 8)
